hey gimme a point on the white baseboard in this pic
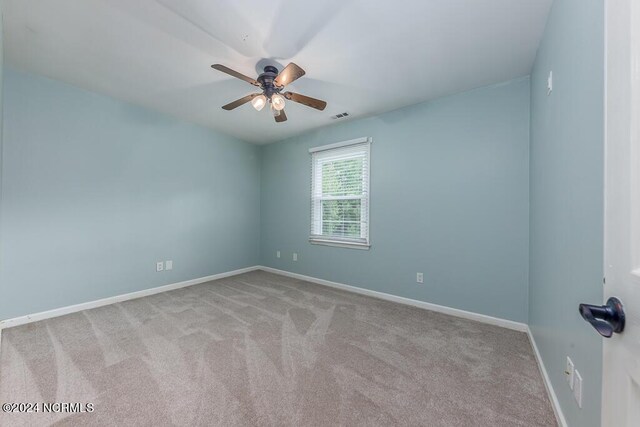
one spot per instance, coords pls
(17, 321)
(547, 382)
(509, 324)
(21, 320)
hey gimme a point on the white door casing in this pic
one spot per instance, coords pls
(621, 358)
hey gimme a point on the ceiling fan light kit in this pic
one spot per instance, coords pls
(272, 83)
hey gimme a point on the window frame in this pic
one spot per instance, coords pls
(364, 242)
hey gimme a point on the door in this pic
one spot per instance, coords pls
(621, 361)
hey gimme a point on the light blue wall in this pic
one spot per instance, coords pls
(95, 191)
(449, 197)
(1, 119)
(566, 265)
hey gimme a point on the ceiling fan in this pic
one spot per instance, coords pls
(272, 83)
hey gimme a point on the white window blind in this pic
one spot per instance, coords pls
(340, 194)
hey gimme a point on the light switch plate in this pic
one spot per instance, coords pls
(159, 266)
(295, 256)
(277, 254)
(168, 265)
(577, 387)
(550, 83)
(569, 372)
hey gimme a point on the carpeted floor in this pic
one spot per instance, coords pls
(262, 349)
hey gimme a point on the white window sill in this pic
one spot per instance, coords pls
(340, 244)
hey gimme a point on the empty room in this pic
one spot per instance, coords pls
(328, 213)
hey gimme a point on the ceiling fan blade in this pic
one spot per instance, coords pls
(239, 102)
(290, 73)
(282, 117)
(235, 74)
(306, 100)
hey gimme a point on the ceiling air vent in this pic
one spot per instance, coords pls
(340, 116)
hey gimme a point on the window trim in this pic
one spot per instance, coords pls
(362, 140)
(339, 244)
(336, 241)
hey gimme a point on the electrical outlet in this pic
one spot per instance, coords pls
(159, 266)
(277, 254)
(569, 372)
(577, 388)
(419, 278)
(295, 256)
(168, 265)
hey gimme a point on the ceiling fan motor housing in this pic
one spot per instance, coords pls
(267, 80)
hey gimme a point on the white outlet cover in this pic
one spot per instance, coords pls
(277, 254)
(577, 388)
(168, 265)
(419, 277)
(569, 372)
(159, 266)
(295, 256)
(550, 83)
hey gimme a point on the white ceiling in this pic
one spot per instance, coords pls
(361, 56)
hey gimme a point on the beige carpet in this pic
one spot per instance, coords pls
(262, 349)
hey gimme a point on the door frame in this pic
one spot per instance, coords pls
(622, 105)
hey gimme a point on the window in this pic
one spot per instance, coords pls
(340, 194)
